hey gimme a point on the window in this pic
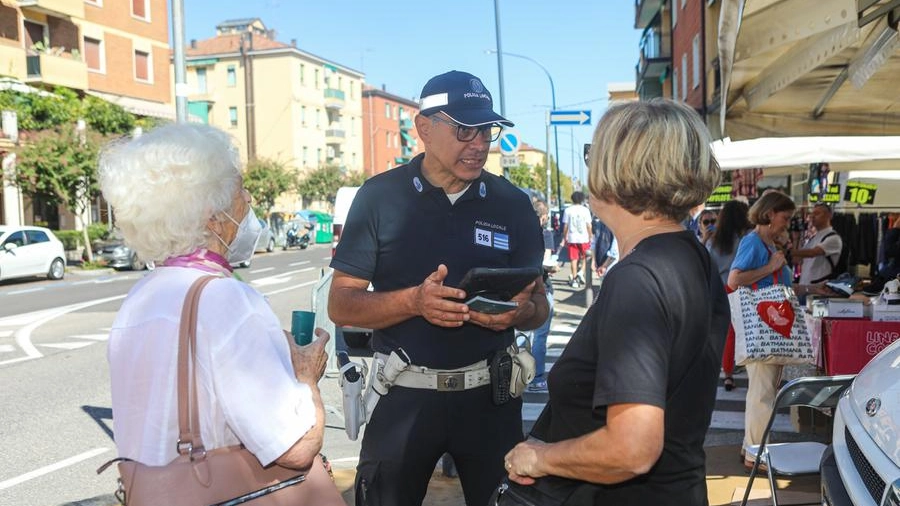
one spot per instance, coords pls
(302, 74)
(36, 236)
(317, 78)
(674, 14)
(201, 80)
(318, 119)
(352, 126)
(17, 238)
(387, 165)
(387, 110)
(93, 54)
(98, 3)
(675, 83)
(340, 83)
(352, 89)
(232, 76)
(142, 70)
(232, 116)
(387, 139)
(305, 156)
(396, 140)
(684, 77)
(696, 60)
(140, 9)
(353, 158)
(303, 115)
(318, 156)
(683, 3)
(35, 33)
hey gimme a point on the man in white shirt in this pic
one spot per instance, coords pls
(821, 252)
(577, 233)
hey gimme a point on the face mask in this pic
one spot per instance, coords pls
(242, 247)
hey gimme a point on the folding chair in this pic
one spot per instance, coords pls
(797, 458)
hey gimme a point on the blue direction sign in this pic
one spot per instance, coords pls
(509, 142)
(570, 117)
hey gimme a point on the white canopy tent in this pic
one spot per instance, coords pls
(843, 153)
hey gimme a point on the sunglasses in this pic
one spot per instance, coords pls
(489, 133)
(709, 222)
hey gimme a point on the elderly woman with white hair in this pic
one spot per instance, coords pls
(179, 200)
(632, 395)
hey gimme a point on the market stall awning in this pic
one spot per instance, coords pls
(138, 106)
(856, 153)
(809, 68)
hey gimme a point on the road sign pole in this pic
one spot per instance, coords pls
(547, 172)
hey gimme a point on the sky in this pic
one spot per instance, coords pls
(584, 45)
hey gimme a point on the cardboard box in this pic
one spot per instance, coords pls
(886, 313)
(849, 344)
(845, 308)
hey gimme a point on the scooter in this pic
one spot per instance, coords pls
(294, 237)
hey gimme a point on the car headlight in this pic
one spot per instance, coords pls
(892, 498)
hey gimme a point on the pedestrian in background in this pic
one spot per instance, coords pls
(413, 232)
(633, 393)
(179, 200)
(732, 225)
(540, 334)
(820, 254)
(707, 225)
(577, 235)
(755, 264)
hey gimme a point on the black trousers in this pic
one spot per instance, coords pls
(410, 430)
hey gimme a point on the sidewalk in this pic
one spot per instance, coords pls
(726, 478)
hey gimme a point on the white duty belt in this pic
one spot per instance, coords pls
(443, 380)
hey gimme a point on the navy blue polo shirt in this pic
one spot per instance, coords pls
(400, 228)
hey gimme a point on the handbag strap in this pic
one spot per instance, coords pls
(754, 286)
(188, 418)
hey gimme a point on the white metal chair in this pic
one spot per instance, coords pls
(795, 458)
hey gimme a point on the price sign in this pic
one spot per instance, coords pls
(860, 193)
(720, 195)
(832, 195)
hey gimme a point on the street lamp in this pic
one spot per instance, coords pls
(555, 136)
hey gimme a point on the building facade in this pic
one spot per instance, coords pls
(389, 134)
(116, 50)
(655, 70)
(277, 101)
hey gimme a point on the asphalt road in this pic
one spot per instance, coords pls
(56, 421)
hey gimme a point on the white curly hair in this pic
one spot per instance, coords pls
(165, 185)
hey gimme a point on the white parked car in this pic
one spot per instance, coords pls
(30, 251)
(862, 467)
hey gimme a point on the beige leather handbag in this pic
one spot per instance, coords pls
(221, 477)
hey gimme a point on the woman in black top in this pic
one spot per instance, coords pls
(632, 395)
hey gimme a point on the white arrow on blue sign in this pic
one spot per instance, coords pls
(570, 117)
(509, 142)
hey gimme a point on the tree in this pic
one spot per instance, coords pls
(61, 167)
(106, 117)
(266, 180)
(321, 184)
(354, 178)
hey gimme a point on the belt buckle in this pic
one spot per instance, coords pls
(451, 381)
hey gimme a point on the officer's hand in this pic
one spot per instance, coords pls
(503, 321)
(431, 301)
(523, 462)
(309, 361)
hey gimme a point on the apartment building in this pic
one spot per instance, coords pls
(114, 49)
(276, 100)
(389, 135)
(527, 155)
(655, 72)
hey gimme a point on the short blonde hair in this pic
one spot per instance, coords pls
(770, 202)
(165, 185)
(652, 157)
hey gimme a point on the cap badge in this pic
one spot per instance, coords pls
(477, 87)
(418, 184)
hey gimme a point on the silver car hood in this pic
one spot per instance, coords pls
(875, 399)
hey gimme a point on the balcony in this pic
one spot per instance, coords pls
(334, 98)
(57, 71)
(656, 56)
(64, 8)
(335, 136)
(14, 61)
(645, 11)
(406, 124)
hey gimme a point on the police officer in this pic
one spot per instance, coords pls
(413, 232)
